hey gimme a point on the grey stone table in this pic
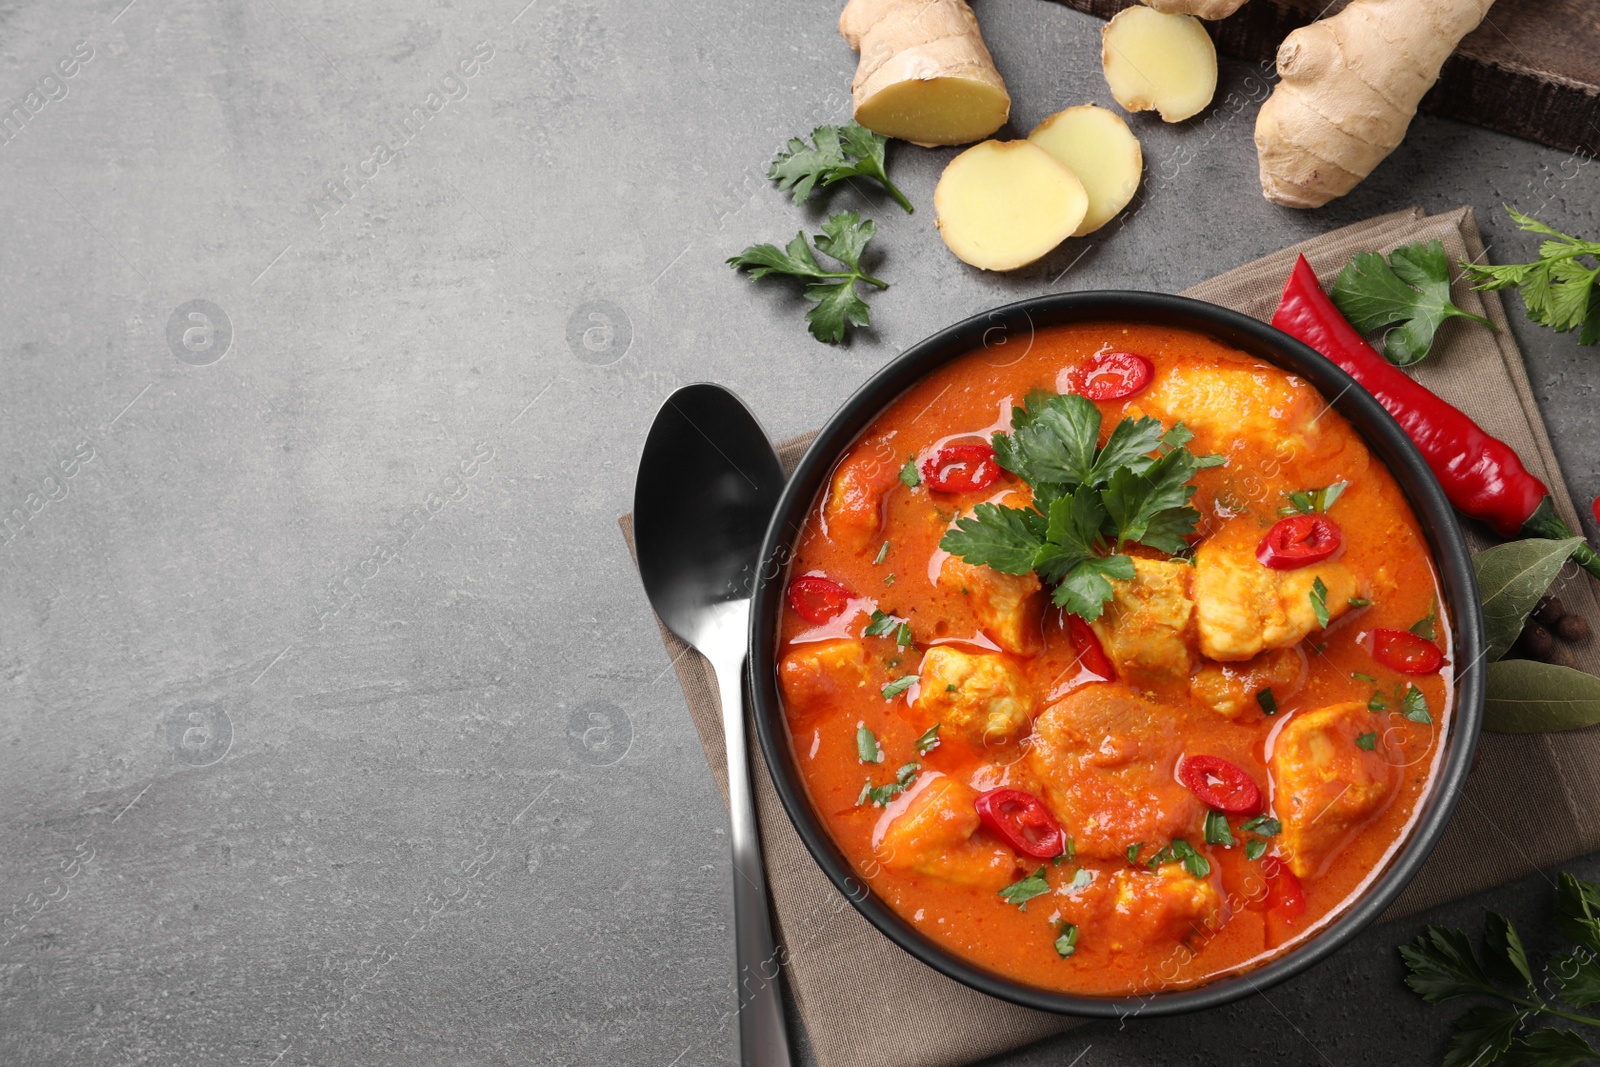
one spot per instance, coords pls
(335, 730)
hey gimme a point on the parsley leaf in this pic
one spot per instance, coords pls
(1255, 849)
(1319, 602)
(1067, 943)
(1268, 702)
(1358, 676)
(1313, 501)
(1216, 829)
(882, 554)
(880, 795)
(1180, 851)
(836, 153)
(1377, 703)
(1265, 825)
(909, 476)
(1368, 740)
(1424, 627)
(1558, 289)
(1080, 880)
(928, 741)
(1025, 889)
(867, 748)
(898, 686)
(879, 624)
(844, 237)
(1133, 851)
(1412, 290)
(1414, 705)
(902, 636)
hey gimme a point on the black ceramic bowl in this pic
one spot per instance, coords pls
(1015, 324)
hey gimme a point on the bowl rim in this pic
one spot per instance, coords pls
(1383, 436)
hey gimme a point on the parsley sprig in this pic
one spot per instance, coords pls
(836, 153)
(1089, 501)
(1411, 292)
(844, 237)
(1443, 964)
(1558, 288)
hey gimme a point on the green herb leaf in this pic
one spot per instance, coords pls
(1359, 602)
(1377, 703)
(1133, 851)
(902, 636)
(909, 476)
(1481, 1036)
(1319, 602)
(1216, 829)
(928, 741)
(1548, 1048)
(1025, 889)
(1180, 851)
(1578, 975)
(1578, 911)
(1529, 697)
(882, 554)
(1442, 965)
(1412, 290)
(882, 794)
(898, 686)
(867, 749)
(888, 579)
(1265, 825)
(1368, 740)
(1313, 501)
(1254, 848)
(1414, 706)
(879, 623)
(1558, 289)
(1080, 880)
(1067, 943)
(1268, 702)
(836, 153)
(1369, 679)
(1004, 539)
(1511, 579)
(1424, 627)
(838, 306)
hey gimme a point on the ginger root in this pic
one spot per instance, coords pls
(1210, 10)
(1350, 86)
(1157, 62)
(925, 75)
(1097, 146)
(1001, 205)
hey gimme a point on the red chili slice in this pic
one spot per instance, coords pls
(1299, 541)
(961, 469)
(817, 599)
(1221, 785)
(1406, 652)
(1087, 644)
(1022, 821)
(1112, 376)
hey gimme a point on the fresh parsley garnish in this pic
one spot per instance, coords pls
(1368, 740)
(1319, 602)
(1025, 889)
(844, 237)
(1067, 943)
(1358, 676)
(928, 741)
(1180, 851)
(898, 686)
(1377, 703)
(1255, 848)
(867, 747)
(1412, 290)
(882, 794)
(1268, 702)
(1414, 705)
(1359, 602)
(908, 474)
(1558, 289)
(1133, 851)
(836, 153)
(1443, 964)
(1313, 501)
(1080, 880)
(1424, 627)
(879, 623)
(1216, 829)
(882, 553)
(902, 636)
(1089, 501)
(1265, 825)
(889, 580)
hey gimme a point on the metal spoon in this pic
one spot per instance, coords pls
(708, 484)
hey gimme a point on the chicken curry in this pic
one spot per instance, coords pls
(1115, 667)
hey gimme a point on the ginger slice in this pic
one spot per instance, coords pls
(1097, 146)
(1001, 205)
(925, 75)
(1157, 62)
(1209, 10)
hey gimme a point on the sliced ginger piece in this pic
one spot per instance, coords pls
(1158, 62)
(1209, 10)
(1001, 205)
(1097, 146)
(925, 74)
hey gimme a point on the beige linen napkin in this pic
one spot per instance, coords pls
(1535, 798)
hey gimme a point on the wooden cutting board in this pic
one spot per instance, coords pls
(1532, 69)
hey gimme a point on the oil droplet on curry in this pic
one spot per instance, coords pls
(1140, 785)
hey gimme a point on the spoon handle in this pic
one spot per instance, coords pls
(763, 1038)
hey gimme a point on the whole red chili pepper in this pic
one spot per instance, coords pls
(1481, 475)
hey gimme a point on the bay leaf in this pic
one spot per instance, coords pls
(1529, 697)
(1511, 579)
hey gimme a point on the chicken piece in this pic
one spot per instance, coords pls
(1325, 786)
(1233, 690)
(1145, 629)
(978, 697)
(934, 834)
(1008, 607)
(1105, 757)
(1165, 907)
(852, 515)
(823, 675)
(1233, 405)
(1242, 607)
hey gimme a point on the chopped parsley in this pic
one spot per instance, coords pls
(898, 686)
(1067, 943)
(1313, 501)
(949, 687)
(1359, 602)
(1265, 825)
(928, 741)
(1180, 851)
(883, 553)
(1319, 602)
(879, 624)
(1268, 702)
(880, 795)
(1377, 703)
(1424, 627)
(1358, 676)
(867, 748)
(1414, 705)
(908, 474)
(1080, 880)
(1089, 501)
(1368, 740)
(1025, 889)
(1254, 849)
(1216, 830)
(890, 579)
(1133, 851)
(902, 636)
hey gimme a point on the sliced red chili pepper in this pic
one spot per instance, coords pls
(1112, 376)
(961, 469)
(1087, 644)
(1022, 821)
(1406, 652)
(1221, 785)
(1594, 509)
(1298, 541)
(817, 599)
